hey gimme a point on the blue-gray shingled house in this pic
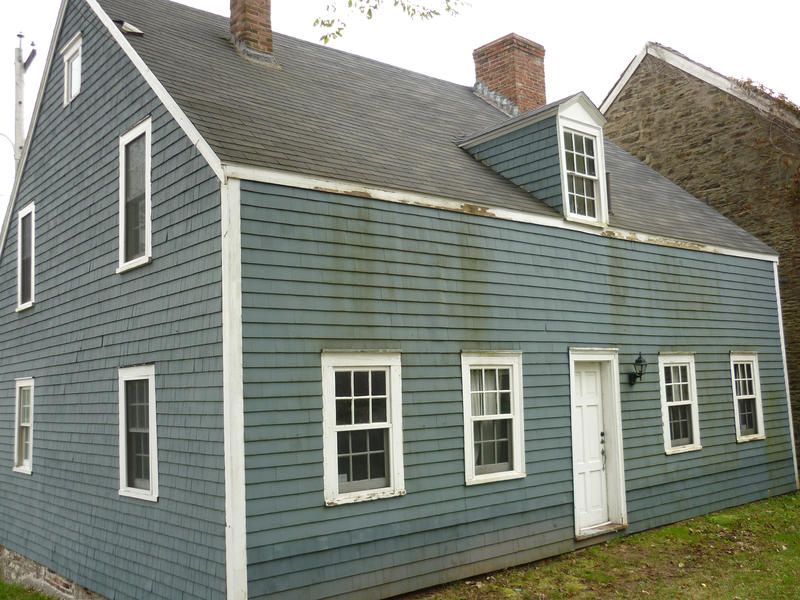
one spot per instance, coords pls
(280, 321)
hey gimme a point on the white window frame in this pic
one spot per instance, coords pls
(513, 361)
(572, 125)
(333, 361)
(30, 209)
(20, 464)
(71, 54)
(665, 360)
(145, 127)
(752, 358)
(128, 374)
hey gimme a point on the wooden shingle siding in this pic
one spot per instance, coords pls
(323, 271)
(88, 321)
(529, 158)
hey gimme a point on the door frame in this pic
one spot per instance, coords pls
(612, 425)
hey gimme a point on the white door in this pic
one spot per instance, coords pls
(588, 441)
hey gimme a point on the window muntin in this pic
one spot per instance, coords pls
(138, 458)
(71, 54)
(23, 426)
(679, 403)
(581, 165)
(134, 197)
(746, 385)
(362, 426)
(493, 427)
(26, 234)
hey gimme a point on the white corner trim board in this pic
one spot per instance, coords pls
(233, 393)
(786, 375)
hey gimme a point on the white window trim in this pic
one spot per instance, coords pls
(30, 209)
(331, 360)
(665, 359)
(69, 52)
(751, 357)
(126, 374)
(512, 359)
(146, 128)
(22, 382)
(567, 124)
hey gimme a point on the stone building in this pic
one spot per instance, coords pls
(732, 143)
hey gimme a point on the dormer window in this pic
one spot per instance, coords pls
(579, 154)
(71, 53)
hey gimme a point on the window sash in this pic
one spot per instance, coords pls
(493, 425)
(26, 235)
(23, 430)
(582, 178)
(362, 419)
(138, 454)
(746, 396)
(135, 190)
(680, 414)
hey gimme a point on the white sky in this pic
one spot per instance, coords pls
(587, 43)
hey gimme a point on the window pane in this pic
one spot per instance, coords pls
(75, 75)
(379, 410)
(505, 403)
(747, 416)
(135, 177)
(138, 433)
(361, 383)
(343, 384)
(589, 146)
(378, 383)
(360, 466)
(344, 414)
(568, 141)
(361, 410)
(358, 441)
(26, 253)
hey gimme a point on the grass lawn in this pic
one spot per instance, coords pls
(746, 553)
(17, 592)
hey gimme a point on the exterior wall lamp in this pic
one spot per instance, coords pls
(639, 367)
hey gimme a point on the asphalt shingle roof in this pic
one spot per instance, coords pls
(329, 113)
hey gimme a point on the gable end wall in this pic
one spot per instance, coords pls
(88, 321)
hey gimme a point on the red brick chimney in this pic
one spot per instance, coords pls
(251, 28)
(509, 73)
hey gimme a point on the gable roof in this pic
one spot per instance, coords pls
(327, 115)
(703, 73)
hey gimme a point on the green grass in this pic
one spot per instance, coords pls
(9, 591)
(751, 552)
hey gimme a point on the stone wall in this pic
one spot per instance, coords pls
(15, 568)
(723, 150)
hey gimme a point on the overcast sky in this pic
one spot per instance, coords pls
(587, 43)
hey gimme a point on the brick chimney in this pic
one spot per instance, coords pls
(509, 73)
(251, 28)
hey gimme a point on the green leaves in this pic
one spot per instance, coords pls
(334, 25)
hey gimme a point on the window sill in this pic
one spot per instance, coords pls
(585, 220)
(492, 477)
(23, 470)
(138, 494)
(351, 497)
(136, 262)
(25, 306)
(750, 438)
(682, 449)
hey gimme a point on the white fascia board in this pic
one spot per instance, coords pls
(702, 73)
(32, 126)
(336, 186)
(180, 117)
(233, 393)
(785, 376)
(623, 79)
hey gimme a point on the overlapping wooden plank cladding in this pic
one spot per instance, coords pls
(88, 321)
(324, 271)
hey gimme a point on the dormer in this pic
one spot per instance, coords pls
(555, 151)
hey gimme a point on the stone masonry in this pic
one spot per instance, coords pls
(744, 162)
(15, 568)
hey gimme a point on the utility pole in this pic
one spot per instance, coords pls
(20, 67)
